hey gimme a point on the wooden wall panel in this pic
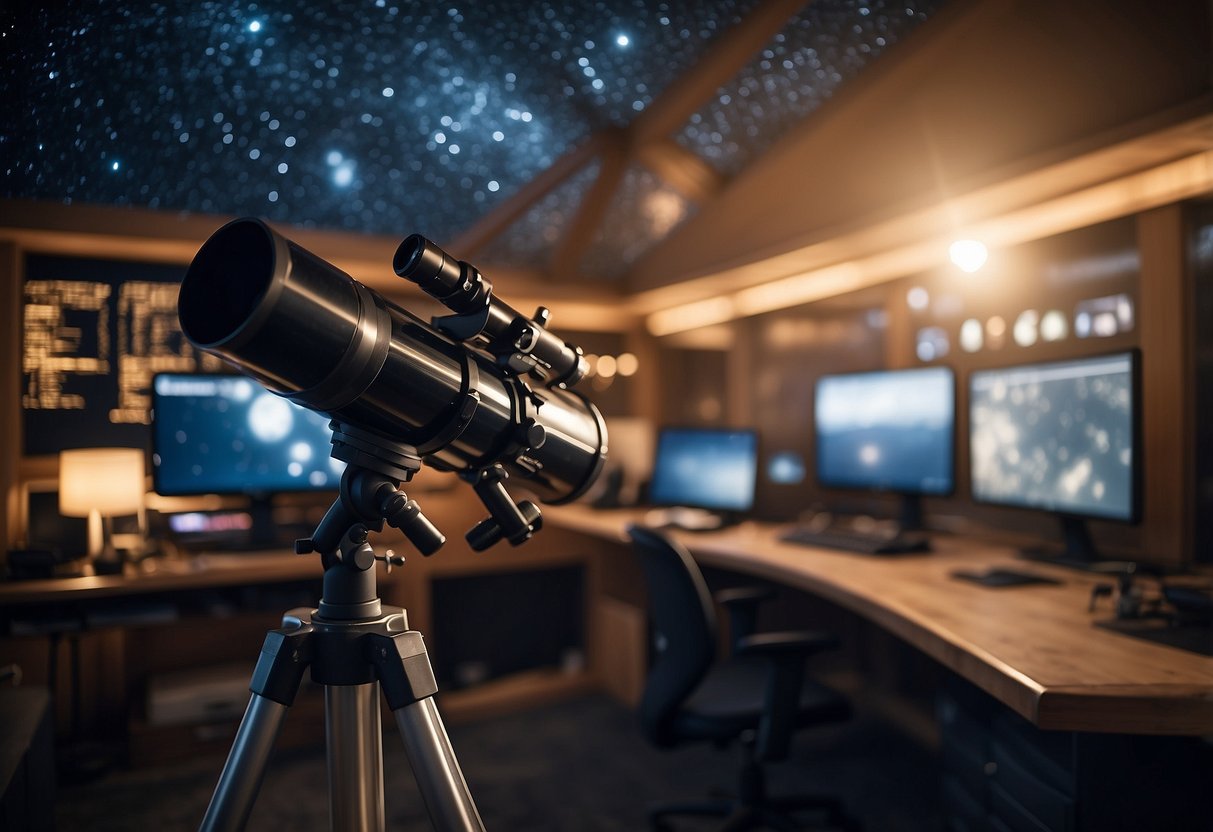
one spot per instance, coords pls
(10, 391)
(1166, 327)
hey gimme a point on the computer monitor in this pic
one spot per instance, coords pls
(714, 469)
(226, 434)
(889, 431)
(1063, 437)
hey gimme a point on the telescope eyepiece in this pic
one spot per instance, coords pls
(457, 285)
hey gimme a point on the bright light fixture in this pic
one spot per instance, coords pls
(968, 255)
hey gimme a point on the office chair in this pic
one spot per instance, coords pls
(758, 696)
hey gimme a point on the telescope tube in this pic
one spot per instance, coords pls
(311, 333)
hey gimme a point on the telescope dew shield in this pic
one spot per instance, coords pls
(310, 332)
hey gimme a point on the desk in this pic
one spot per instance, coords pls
(1036, 648)
(164, 615)
(156, 575)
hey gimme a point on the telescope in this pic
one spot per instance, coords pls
(485, 392)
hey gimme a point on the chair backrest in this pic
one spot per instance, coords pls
(684, 629)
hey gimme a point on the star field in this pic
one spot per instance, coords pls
(370, 116)
(390, 117)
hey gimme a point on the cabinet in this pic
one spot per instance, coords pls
(1001, 773)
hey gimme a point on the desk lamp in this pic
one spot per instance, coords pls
(105, 482)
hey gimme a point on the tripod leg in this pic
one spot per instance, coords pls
(355, 757)
(436, 769)
(284, 658)
(245, 767)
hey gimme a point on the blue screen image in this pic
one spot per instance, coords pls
(229, 435)
(705, 468)
(886, 431)
(1055, 436)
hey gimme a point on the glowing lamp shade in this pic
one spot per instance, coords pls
(106, 480)
(101, 482)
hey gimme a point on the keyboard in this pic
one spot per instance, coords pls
(849, 540)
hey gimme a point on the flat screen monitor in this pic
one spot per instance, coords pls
(1060, 436)
(890, 431)
(707, 468)
(226, 434)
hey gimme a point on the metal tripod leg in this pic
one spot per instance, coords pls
(355, 757)
(245, 767)
(404, 671)
(284, 658)
(435, 768)
(347, 655)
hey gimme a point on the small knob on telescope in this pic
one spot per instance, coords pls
(532, 434)
(390, 559)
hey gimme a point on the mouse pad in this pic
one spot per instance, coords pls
(1003, 577)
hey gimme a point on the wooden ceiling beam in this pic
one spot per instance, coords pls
(612, 163)
(647, 138)
(682, 169)
(726, 56)
(468, 244)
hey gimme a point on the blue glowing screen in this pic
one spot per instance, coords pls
(886, 431)
(229, 435)
(1057, 436)
(705, 468)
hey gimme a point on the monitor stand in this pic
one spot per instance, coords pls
(909, 517)
(263, 532)
(1079, 551)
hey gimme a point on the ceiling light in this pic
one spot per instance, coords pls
(968, 255)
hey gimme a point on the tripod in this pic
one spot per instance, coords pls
(355, 646)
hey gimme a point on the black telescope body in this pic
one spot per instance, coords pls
(310, 332)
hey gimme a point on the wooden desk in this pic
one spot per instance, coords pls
(1035, 648)
(157, 575)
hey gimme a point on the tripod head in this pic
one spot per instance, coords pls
(370, 496)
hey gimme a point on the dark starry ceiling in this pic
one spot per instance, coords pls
(393, 117)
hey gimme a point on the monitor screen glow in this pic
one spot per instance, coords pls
(220, 434)
(886, 431)
(706, 468)
(1058, 436)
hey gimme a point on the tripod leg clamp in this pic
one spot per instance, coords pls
(285, 655)
(403, 666)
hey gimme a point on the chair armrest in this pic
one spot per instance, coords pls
(744, 594)
(786, 652)
(795, 644)
(742, 605)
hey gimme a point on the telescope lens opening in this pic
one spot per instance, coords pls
(408, 255)
(226, 280)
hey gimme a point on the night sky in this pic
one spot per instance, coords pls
(379, 116)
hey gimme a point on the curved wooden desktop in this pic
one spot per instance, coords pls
(1035, 648)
